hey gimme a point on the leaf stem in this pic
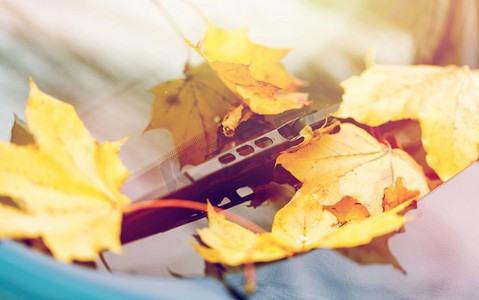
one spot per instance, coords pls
(249, 278)
(376, 133)
(103, 260)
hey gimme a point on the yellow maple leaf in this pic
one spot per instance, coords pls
(315, 218)
(297, 228)
(191, 108)
(252, 71)
(65, 186)
(445, 101)
(351, 163)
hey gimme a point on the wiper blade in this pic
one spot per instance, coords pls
(223, 176)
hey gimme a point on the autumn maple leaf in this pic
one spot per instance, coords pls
(351, 163)
(191, 108)
(252, 71)
(64, 187)
(445, 101)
